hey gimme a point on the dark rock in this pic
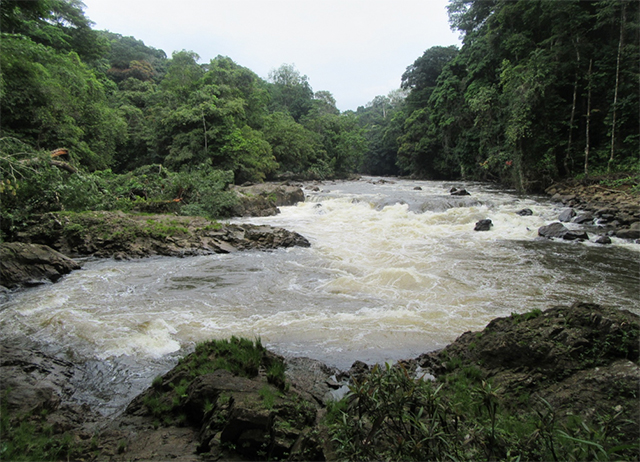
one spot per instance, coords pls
(524, 212)
(583, 218)
(29, 264)
(483, 225)
(583, 354)
(555, 229)
(567, 215)
(460, 192)
(358, 369)
(603, 240)
(417, 188)
(628, 233)
(558, 230)
(130, 237)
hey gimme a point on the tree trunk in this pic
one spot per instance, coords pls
(588, 143)
(615, 93)
(568, 157)
(204, 124)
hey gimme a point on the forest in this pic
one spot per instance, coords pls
(539, 91)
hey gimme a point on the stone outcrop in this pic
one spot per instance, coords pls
(581, 359)
(263, 199)
(31, 264)
(115, 234)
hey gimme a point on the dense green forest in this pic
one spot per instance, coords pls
(539, 90)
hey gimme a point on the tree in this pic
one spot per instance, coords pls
(290, 92)
(293, 146)
(52, 100)
(421, 77)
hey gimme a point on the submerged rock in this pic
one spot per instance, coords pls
(459, 192)
(525, 212)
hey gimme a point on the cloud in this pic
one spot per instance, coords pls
(356, 49)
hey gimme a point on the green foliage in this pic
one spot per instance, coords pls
(391, 415)
(517, 318)
(240, 356)
(511, 105)
(30, 185)
(52, 100)
(28, 437)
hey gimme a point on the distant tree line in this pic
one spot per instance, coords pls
(539, 90)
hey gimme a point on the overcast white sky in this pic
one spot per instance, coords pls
(356, 49)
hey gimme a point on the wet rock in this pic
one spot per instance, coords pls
(35, 383)
(582, 359)
(524, 212)
(583, 218)
(459, 192)
(483, 225)
(628, 233)
(558, 230)
(576, 236)
(567, 215)
(417, 188)
(31, 264)
(603, 240)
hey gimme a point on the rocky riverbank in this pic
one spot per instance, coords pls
(48, 243)
(552, 368)
(615, 208)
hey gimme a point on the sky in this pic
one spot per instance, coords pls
(355, 49)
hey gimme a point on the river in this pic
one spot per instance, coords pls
(393, 271)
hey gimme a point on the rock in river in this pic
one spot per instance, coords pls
(483, 225)
(558, 230)
(30, 264)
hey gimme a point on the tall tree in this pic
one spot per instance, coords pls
(290, 91)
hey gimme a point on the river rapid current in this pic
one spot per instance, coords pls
(392, 272)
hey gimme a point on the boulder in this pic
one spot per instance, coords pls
(567, 215)
(583, 218)
(459, 192)
(628, 233)
(558, 230)
(555, 229)
(30, 264)
(603, 240)
(483, 225)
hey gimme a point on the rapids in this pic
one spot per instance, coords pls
(392, 272)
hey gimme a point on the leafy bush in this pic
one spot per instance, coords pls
(392, 415)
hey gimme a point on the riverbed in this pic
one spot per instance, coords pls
(395, 269)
